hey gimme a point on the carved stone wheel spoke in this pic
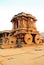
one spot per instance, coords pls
(28, 38)
(37, 39)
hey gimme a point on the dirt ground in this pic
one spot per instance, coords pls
(32, 55)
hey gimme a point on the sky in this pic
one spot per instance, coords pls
(9, 8)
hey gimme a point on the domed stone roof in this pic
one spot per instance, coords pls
(22, 14)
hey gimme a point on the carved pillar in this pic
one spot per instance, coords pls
(14, 25)
(31, 24)
(19, 25)
(24, 23)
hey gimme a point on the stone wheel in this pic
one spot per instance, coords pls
(12, 42)
(37, 39)
(28, 38)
